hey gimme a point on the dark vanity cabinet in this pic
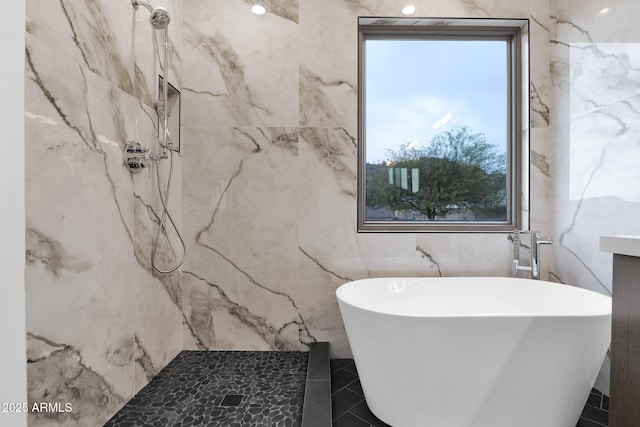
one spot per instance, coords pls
(624, 406)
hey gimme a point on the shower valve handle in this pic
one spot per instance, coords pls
(136, 157)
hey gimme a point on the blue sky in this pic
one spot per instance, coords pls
(411, 85)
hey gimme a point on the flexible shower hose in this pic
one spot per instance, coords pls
(164, 199)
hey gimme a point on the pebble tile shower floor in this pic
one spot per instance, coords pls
(221, 388)
(351, 410)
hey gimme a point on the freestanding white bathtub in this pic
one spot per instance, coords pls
(475, 352)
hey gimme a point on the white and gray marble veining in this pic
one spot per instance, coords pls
(326, 102)
(540, 162)
(90, 33)
(243, 77)
(335, 148)
(99, 323)
(52, 255)
(594, 121)
(498, 9)
(236, 265)
(427, 256)
(328, 65)
(220, 53)
(539, 108)
(63, 376)
(286, 9)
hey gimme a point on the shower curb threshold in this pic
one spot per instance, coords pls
(316, 409)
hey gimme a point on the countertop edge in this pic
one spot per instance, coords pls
(622, 245)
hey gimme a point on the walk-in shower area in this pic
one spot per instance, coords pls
(201, 176)
(222, 388)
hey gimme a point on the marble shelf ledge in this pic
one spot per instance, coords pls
(622, 245)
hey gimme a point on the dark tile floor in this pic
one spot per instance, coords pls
(221, 388)
(350, 408)
(596, 411)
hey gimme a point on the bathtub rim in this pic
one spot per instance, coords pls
(595, 312)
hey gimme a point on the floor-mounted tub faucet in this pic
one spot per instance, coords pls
(534, 252)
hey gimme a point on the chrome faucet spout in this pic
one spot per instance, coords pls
(534, 252)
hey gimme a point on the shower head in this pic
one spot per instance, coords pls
(158, 17)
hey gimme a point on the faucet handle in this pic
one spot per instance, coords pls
(543, 240)
(517, 267)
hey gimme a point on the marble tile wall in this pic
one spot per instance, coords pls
(269, 178)
(595, 59)
(595, 63)
(100, 325)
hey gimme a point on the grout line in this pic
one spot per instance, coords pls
(351, 407)
(593, 421)
(345, 386)
(362, 419)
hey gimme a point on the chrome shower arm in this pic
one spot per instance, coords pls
(144, 3)
(158, 16)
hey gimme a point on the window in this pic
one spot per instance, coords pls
(442, 105)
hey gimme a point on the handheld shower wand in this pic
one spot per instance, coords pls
(159, 19)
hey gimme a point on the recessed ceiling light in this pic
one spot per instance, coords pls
(258, 9)
(409, 9)
(605, 11)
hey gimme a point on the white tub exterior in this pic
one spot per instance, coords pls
(475, 352)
